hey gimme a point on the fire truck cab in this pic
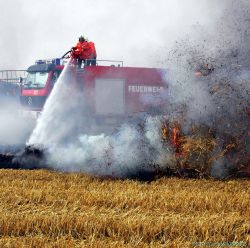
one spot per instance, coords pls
(38, 84)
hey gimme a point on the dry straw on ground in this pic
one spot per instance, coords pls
(50, 209)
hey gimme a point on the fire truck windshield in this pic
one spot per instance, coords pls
(36, 80)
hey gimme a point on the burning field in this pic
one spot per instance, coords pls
(42, 208)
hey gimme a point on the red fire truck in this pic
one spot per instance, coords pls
(112, 90)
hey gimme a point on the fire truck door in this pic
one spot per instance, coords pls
(109, 96)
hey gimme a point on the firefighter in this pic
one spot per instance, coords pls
(92, 60)
(77, 51)
(89, 53)
(85, 52)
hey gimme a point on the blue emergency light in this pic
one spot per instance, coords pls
(57, 61)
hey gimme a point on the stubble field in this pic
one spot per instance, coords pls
(42, 208)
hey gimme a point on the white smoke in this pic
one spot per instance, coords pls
(119, 155)
(224, 46)
(187, 95)
(15, 128)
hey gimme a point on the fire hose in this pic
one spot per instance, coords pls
(66, 53)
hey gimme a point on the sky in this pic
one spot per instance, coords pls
(135, 31)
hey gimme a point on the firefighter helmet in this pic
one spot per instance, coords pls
(81, 38)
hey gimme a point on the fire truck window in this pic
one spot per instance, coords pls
(36, 80)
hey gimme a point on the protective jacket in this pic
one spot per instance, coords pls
(78, 50)
(93, 51)
(87, 51)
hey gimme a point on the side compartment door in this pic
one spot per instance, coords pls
(109, 96)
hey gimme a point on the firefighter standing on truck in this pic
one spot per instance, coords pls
(89, 53)
(84, 51)
(92, 59)
(77, 51)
